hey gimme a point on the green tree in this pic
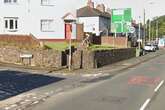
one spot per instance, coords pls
(161, 26)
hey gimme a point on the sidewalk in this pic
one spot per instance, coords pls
(73, 80)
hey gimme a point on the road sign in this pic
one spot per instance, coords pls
(121, 20)
(131, 29)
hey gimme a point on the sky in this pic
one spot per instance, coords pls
(152, 8)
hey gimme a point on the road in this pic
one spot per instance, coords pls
(127, 91)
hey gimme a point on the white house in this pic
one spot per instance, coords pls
(95, 20)
(41, 18)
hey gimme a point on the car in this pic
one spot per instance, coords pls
(156, 46)
(150, 48)
(142, 51)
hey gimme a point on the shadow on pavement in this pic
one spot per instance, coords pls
(15, 82)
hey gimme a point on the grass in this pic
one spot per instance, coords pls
(100, 47)
(64, 45)
(59, 45)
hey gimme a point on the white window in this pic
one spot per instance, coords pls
(47, 25)
(11, 24)
(47, 2)
(10, 1)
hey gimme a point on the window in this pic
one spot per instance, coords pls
(47, 25)
(11, 24)
(10, 1)
(47, 2)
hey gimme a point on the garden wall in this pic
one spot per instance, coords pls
(96, 59)
(41, 58)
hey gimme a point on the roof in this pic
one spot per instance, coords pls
(69, 16)
(91, 12)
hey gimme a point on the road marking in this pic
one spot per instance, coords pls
(143, 80)
(145, 104)
(158, 87)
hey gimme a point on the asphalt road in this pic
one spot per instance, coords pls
(127, 91)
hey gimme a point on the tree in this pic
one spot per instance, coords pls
(161, 26)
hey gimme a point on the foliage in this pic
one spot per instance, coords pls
(161, 27)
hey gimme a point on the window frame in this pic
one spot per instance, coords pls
(10, 1)
(11, 24)
(49, 3)
(49, 29)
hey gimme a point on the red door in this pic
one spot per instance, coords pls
(68, 31)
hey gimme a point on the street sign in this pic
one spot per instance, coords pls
(121, 20)
(131, 29)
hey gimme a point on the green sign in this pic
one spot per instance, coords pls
(121, 20)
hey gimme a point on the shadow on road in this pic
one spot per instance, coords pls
(15, 82)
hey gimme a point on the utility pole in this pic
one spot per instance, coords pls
(144, 28)
(157, 29)
(139, 34)
(149, 31)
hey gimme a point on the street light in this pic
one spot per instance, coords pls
(149, 27)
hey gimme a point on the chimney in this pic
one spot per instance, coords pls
(90, 4)
(101, 7)
(109, 11)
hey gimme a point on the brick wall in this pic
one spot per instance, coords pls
(120, 42)
(80, 32)
(25, 41)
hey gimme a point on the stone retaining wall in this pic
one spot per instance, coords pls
(41, 58)
(56, 59)
(95, 59)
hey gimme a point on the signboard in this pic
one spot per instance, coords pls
(121, 20)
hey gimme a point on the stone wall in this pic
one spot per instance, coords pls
(56, 59)
(95, 59)
(111, 56)
(41, 58)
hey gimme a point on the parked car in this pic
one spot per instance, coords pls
(156, 46)
(142, 51)
(150, 48)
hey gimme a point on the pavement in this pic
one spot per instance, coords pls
(57, 82)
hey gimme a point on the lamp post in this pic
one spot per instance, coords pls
(149, 24)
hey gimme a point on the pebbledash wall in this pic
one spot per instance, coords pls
(42, 18)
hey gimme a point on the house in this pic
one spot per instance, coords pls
(95, 20)
(41, 18)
